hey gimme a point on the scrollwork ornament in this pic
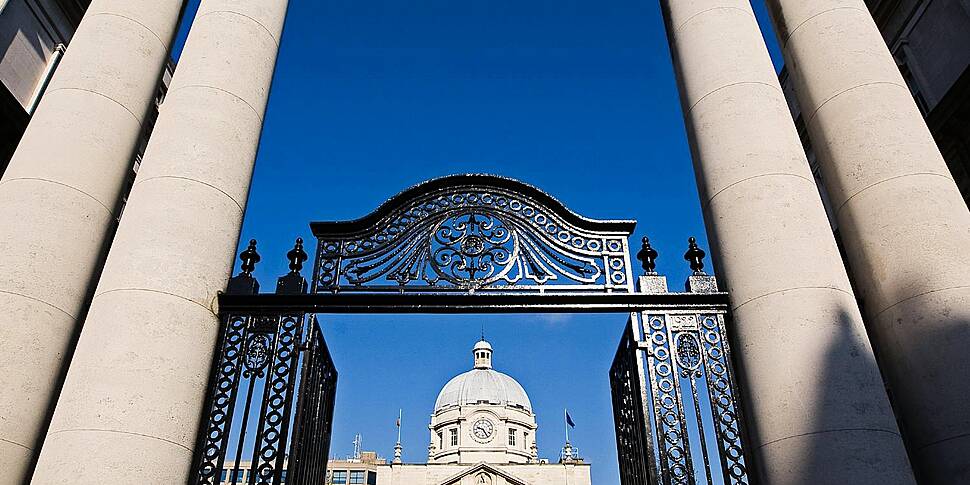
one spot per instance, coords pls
(485, 234)
(688, 354)
(258, 351)
(472, 250)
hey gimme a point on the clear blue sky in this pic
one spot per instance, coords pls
(575, 97)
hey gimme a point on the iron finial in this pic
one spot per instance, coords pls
(648, 257)
(297, 256)
(249, 258)
(695, 255)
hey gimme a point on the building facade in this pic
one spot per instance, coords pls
(39, 33)
(360, 470)
(35, 33)
(483, 432)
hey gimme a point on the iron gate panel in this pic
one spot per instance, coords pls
(688, 413)
(269, 353)
(314, 418)
(634, 439)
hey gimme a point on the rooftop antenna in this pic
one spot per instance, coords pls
(483, 331)
(398, 448)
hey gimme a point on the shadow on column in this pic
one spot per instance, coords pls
(854, 440)
(927, 358)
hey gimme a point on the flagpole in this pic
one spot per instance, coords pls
(400, 415)
(566, 423)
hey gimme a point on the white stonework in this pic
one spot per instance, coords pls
(485, 474)
(901, 218)
(482, 416)
(59, 199)
(140, 368)
(483, 433)
(816, 406)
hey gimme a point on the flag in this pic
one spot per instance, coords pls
(569, 420)
(398, 422)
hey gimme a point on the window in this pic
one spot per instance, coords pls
(357, 477)
(454, 437)
(283, 477)
(511, 437)
(441, 441)
(371, 478)
(237, 478)
(525, 440)
(339, 477)
(909, 76)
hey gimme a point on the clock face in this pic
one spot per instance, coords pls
(482, 429)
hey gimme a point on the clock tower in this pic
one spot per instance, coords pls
(483, 416)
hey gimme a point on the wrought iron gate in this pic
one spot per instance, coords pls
(675, 400)
(269, 353)
(474, 244)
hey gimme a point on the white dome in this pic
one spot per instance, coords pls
(482, 386)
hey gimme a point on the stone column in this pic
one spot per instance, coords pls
(905, 227)
(132, 400)
(816, 407)
(58, 204)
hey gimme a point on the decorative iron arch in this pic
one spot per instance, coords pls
(473, 233)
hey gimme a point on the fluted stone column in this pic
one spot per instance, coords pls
(131, 404)
(58, 202)
(905, 227)
(816, 407)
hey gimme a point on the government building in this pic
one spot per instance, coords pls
(483, 432)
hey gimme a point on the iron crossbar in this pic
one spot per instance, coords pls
(455, 303)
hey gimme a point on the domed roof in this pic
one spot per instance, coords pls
(480, 386)
(483, 385)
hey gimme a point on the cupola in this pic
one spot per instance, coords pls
(483, 355)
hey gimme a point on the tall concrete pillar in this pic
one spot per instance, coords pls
(132, 400)
(58, 202)
(816, 407)
(905, 227)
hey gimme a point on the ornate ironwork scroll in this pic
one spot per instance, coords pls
(472, 233)
(691, 412)
(274, 414)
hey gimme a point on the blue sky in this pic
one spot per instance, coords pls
(575, 97)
